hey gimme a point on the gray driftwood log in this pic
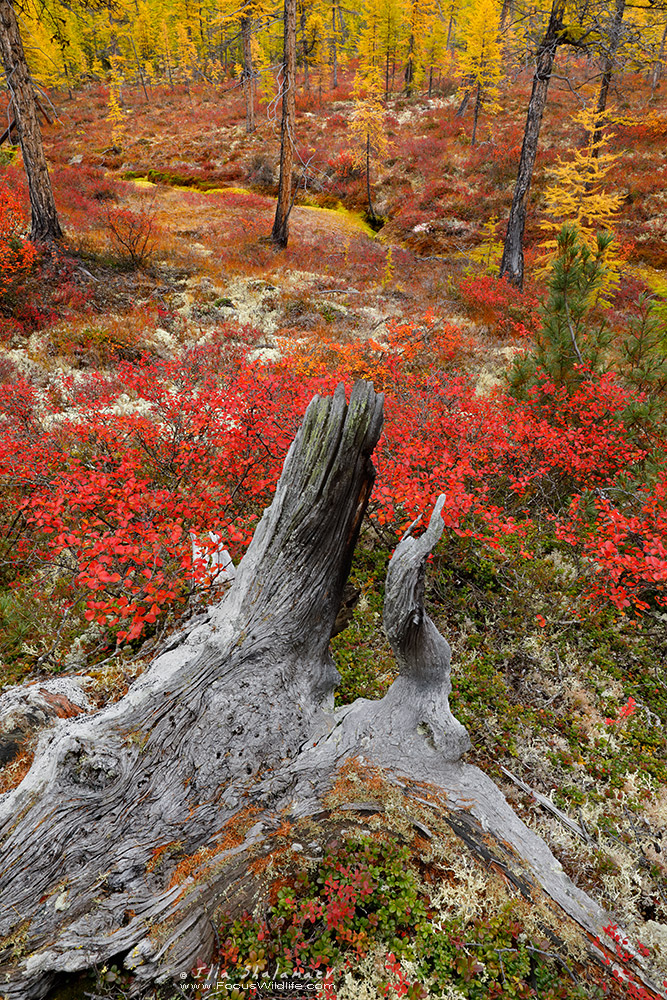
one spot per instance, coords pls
(232, 730)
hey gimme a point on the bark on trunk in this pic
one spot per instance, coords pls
(248, 74)
(465, 100)
(334, 49)
(607, 71)
(410, 66)
(280, 232)
(505, 13)
(212, 729)
(136, 823)
(658, 64)
(305, 51)
(368, 178)
(44, 218)
(139, 70)
(512, 259)
(449, 44)
(478, 105)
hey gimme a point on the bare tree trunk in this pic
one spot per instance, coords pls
(410, 66)
(465, 100)
(512, 260)
(45, 226)
(607, 70)
(341, 22)
(139, 69)
(305, 51)
(657, 65)
(478, 105)
(505, 12)
(368, 178)
(450, 30)
(334, 48)
(231, 731)
(248, 73)
(280, 233)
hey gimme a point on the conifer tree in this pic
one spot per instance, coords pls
(567, 347)
(608, 58)
(187, 53)
(420, 17)
(480, 62)
(379, 41)
(392, 31)
(367, 133)
(246, 17)
(335, 39)
(512, 262)
(577, 195)
(435, 54)
(115, 115)
(51, 45)
(310, 19)
(369, 46)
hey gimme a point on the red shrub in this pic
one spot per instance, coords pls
(499, 304)
(17, 254)
(111, 473)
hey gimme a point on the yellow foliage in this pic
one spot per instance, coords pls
(116, 116)
(490, 250)
(388, 275)
(577, 195)
(367, 131)
(381, 37)
(481, 60)
(187, 53)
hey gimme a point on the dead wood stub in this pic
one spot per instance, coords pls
(183, 756)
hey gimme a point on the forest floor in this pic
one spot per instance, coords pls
(540, 678)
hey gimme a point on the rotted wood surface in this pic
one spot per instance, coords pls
(137, 824)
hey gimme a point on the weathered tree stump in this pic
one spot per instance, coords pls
(135, 823)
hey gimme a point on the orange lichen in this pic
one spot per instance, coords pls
(156, 856)
(356, 779)
(260, 865)
(284, 829)
(198, 863)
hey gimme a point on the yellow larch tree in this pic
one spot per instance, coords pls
(310, 35)
(368, 136)
(246, 17)
(578, 196)
(334, 19)
(481, 59)
(421, 18)
(188, 58)
(434, 51)
(369, 48)
(52, 45)
(382, 30)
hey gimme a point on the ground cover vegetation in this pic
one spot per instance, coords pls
(155, 365)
